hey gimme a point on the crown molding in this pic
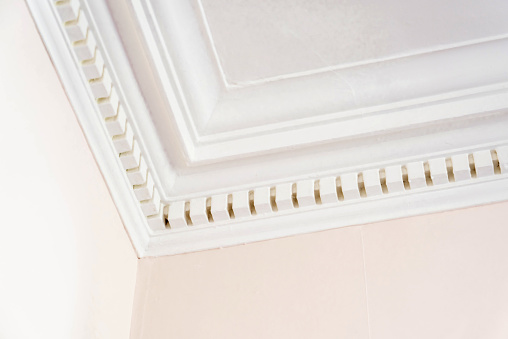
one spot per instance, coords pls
(183, 191)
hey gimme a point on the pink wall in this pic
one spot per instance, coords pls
(67, 268)
(435, 276)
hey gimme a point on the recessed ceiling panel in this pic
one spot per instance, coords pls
(258, 41)
(235, 68)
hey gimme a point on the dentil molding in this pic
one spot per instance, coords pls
(218, 123)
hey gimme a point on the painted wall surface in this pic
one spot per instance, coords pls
(67, 268)
(436, 276)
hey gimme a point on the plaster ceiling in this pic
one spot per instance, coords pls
(217, 123)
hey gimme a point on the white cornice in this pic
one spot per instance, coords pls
(451, 151)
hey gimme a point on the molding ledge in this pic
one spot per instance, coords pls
(437, 171)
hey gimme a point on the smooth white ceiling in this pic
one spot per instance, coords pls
(258, 40)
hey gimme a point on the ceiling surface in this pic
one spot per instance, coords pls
(222, 123)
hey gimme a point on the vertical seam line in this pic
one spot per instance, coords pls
(365, 282)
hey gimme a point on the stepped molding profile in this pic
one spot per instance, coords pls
(228, 216)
